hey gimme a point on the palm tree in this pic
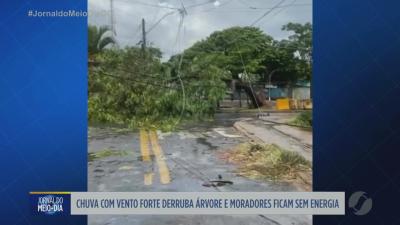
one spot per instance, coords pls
(98, 39)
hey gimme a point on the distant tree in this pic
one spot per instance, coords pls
(301, 39)
(239, 49)
(234, 56)
(300, 44)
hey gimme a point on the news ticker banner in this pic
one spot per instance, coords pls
(174, 203)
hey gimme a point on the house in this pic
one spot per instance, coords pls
(301, 90)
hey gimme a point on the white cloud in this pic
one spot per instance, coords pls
(203, 17)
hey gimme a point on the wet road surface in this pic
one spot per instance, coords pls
(184, 160)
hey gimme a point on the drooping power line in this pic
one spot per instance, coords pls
(159, 21)
(149, 4)
(267, 12)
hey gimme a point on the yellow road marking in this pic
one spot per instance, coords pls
(144, 149)
(144, 145)
(159, 155)
(148, 178)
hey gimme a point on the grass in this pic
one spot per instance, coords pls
(304, 119)
(268, 162)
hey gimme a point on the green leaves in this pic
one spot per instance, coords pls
(300, 43)
(133, 87)
(248, 49)
(237, 48)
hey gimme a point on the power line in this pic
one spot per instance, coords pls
(159, 21)
(251, 88)
(137, 32)
(132, 79)
(272, 46)
(282, 9)
(183, 13)
(199, 4)
(154, 82)
(263, 8)
(155, 15)
(267, 12)
(148, 4)
(146, 81)
(244, 3)
(132, 72)
(164, 6)
(241, 10)
(214, 8)
(250, 6)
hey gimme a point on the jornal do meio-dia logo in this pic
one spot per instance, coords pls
(50, 203)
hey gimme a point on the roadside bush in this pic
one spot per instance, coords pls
(304, 119)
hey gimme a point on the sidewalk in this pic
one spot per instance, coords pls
(265, 131)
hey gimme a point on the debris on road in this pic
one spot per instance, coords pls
(269, 162)
(217, 183)
(286, 137)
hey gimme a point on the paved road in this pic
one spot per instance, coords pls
(179, 161)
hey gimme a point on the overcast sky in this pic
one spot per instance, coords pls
(203, 17)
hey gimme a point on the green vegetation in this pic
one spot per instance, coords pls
(268, 162)
(105, 153)
(133, 87)
(304, 119)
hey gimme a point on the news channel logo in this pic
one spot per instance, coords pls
(360, 203)
(50, 204)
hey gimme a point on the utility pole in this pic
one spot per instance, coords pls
(143, 36)
(270, 84)
(144, 47)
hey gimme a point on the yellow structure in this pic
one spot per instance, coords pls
(287, 104)
(282, 104)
